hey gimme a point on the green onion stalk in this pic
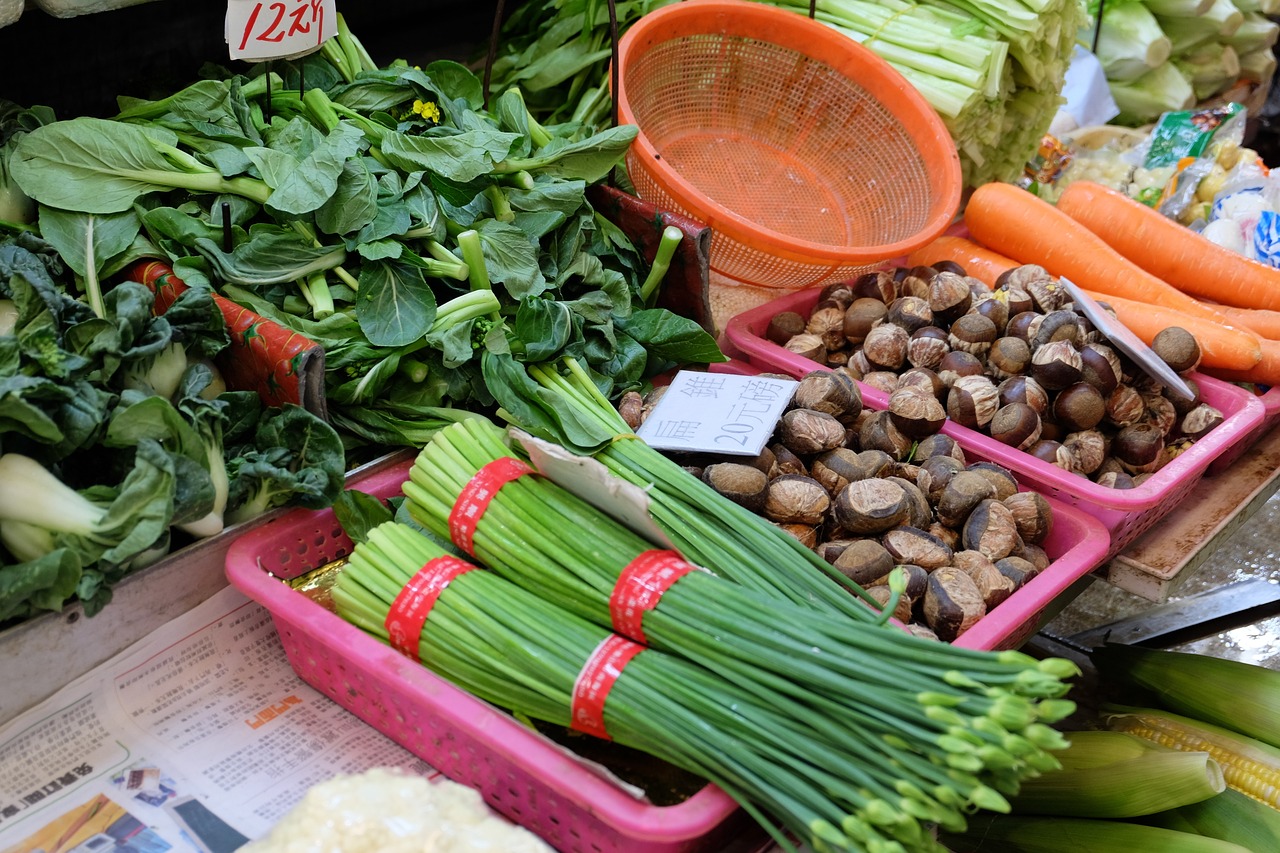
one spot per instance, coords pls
(705, 526)
(508, 646)
(956, 725)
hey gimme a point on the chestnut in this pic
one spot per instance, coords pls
(910, 312)
(973, 333)
(916, 412)
(1056, 365)
(885, 346)
(949, 295)
(1177, 348)
(972, 401)
(1017, 425)
(1100, 366)
(861, 316)
(1023, 389)
(1078, 407)
(1008, 356)
(784, 326)
(927, 347)
(877, 284)
(1139, 448)
(956, 364)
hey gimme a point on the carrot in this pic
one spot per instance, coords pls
(978, 261)
(1265, 372)
(1029, 230)
(1170, 251)
(1260, 321)
(1220, 347)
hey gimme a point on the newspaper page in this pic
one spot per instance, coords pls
(198, 738)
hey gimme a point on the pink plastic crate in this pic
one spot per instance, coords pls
(1125, 513)
(521, 774)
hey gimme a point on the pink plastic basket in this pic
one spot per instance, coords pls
(1270, 417)
(1125, 513)
(521, 774)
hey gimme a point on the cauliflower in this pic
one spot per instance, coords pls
(390, 811)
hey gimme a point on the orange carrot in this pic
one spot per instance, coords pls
(1170, 251)
(1263, 323)
(1220, 347)
(978, 261)
(1029, 230)
(1265, 372)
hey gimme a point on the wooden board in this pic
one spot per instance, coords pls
(1153, 564)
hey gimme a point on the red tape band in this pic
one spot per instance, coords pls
(476, 496)
(641, 586)
(598, 675)
(413, 604)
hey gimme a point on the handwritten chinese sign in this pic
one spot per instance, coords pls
(717, 413)
(259, 30)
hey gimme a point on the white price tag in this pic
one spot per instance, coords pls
(717, 413)
(258, 30)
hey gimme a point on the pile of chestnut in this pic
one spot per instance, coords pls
(1016, 362)
(964, 533)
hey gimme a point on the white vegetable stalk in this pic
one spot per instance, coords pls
(1265, 7)
(1256, 32)
(1210, 69)
(212, 523)
(8, 317)
(1130, 42)
(1162, 89)
(1258, 65)
(26, 542)
(29, 492)
(1179, 8)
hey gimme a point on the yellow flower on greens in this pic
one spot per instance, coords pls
(427, 109)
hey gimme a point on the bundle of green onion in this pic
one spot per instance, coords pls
(704, 525)
(958, 726)
(516, 650)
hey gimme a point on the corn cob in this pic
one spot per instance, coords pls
(1034, 834)
(1249, 766)
(1230, 816)
(1091, 785)
(1239, 696)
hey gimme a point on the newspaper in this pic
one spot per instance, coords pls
(199, 737)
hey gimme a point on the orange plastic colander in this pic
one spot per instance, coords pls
(808, 156)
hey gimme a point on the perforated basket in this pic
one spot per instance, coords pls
(1125, 513)
(810, 158)
(521, 774)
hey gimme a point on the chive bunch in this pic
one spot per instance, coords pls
(516, 650)
(708, 528)
(936, 730)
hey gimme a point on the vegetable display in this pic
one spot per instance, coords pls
(385, 213)
(118, 441)
(898, 701)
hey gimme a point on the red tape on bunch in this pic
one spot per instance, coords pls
(412, 606)
(598, 675)
(641, 586)
(476, 496)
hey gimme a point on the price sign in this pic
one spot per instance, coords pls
(258, 30)
(717, 413)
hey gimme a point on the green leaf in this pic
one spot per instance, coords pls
(511, 258)
(82, 238)
(354, 203)
(457, 81)
(544, 326)
(396, 306)
(588, 159)
(315, 179)
(91, 165)
(43, 584)
(359, 512)
(270, 256)
(539, 411)
(671, 337)
(457, 156)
